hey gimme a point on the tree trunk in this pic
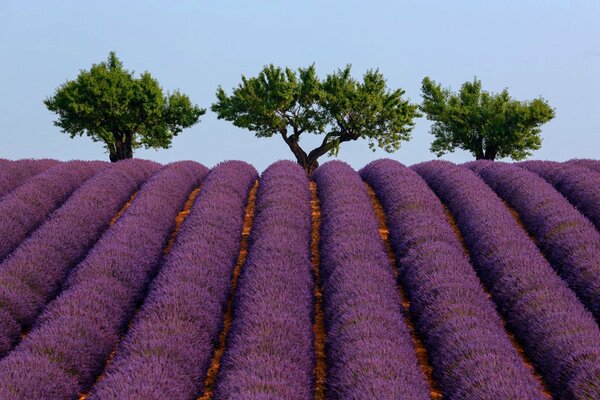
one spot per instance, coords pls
(490, 153)
(122, 149)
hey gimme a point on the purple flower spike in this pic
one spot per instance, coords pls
(369, 350)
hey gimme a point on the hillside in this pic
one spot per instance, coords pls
(141, 281)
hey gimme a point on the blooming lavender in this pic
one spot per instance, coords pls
(369, 349)
(568, 239)
(23, 209)
(15, 173)
(591, 164)
(78, 330)
(558, 334)
(580, 185)
(167, 350)
(471, 354)
(33, 273)
(270, 353)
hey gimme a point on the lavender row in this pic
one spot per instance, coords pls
(568, 239)
(32, 274)
(15, 173)
(69, 344)
(471, 354)
(369, 349)
(591, 164)
(270, 352)
(558, 334)
(580, 185)
(23, 209)
(168, 348)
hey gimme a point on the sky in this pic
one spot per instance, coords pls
(534, 48)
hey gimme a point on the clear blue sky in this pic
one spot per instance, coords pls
(543, 47)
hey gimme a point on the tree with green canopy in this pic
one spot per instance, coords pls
(282, 102)
(108, 104)
(486, 124)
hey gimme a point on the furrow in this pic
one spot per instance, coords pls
(319, 331)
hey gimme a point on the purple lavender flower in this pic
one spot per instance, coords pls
(33, 273)
(77, 331)
(168, 348)
(471, 354)
(580, 185)
(558, 334)
(270, 352)
(568, 239)
(23, 209)
(369, 349)
(15, 173)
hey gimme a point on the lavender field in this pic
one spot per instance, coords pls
(136, 280)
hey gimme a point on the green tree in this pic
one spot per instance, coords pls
(108, 104)
(282, 102)
(486, 124)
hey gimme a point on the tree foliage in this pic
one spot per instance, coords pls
(486, 124)
(288, 103)
(108, 104)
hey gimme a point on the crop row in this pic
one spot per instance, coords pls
(33, 273)
(468, 346)
(15, 173)
(368, 344)
(558, 334)
(568, 239)
(23, 209)
(171, 340)
(580, 185)
(270, 348)
(68, 346)
(108, 295)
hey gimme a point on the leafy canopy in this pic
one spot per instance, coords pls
(282, 102)
(108, 104)
(486, 124)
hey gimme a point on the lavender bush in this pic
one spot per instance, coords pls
(77, 331)
(23, 209)
(35, 270)
(270, 352)
(591, 164)
(369, 349)
(471, 354)
(568, 239)
(558, 334)
(580, 185)
(15, 173)
(168, 348)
